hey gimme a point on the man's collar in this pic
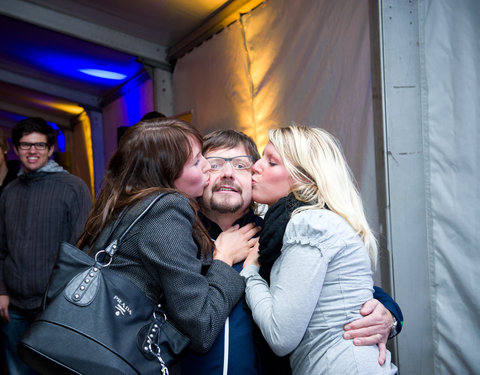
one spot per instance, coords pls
(214, 229)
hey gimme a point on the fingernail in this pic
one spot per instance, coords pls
(347, 336)
(347, 327)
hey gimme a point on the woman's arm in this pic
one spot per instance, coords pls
(284, 310)
(199, 305)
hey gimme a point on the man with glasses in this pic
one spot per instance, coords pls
(42, 207)
(227, 201)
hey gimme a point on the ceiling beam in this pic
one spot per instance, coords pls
(231, 12)
(33, 112)
(81, 29)
(75, 96)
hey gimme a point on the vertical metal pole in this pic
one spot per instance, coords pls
(96, 124)
(163, 91)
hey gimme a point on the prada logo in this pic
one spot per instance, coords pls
(121, 307)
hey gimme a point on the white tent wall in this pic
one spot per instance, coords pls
(213, 83)
(451, 136)
(431, 91)
(284, 62)
(310, 62)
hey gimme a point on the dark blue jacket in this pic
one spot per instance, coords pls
(233, 352)
(387, 301)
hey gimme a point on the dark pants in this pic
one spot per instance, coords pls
(12, 332)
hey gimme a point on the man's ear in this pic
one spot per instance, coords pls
(15, 149)
(50, 150)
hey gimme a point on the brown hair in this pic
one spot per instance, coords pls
(3, 141)
(149, 158)
(33, 125)
(230, 138)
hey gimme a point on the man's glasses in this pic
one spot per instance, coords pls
(238, 163)
(27, 145)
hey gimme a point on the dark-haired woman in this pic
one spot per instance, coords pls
(161, 253)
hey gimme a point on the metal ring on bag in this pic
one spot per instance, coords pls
(101, 264)
(152, 346)
(155, 316)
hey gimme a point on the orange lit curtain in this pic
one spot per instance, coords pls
(213, 83)
(82, 151)
(288, 61)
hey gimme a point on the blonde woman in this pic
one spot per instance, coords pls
(316, 255)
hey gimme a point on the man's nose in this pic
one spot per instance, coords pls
(227, 170)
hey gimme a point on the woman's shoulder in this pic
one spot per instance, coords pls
(171, 212)
(317, 219)
(172, 197)
(317, 226)
(169, 203)
(175, 199)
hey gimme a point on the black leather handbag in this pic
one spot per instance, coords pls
(98, 322)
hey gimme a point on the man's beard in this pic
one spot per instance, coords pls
(224, 205)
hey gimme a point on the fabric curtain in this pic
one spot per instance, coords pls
(288, 61)
(452, 133)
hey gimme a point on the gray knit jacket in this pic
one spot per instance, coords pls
(160, 256)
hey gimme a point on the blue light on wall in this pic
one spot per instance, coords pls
(61, 141)
(132, 101)
(60, 137)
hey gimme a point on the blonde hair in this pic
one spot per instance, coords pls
(322, 178)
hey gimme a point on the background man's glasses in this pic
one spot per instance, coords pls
(239, 163)
(27, 145)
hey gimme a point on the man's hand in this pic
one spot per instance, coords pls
(373, 328)
(4, 302)
(233, 244)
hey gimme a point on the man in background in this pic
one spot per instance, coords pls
(42, 207)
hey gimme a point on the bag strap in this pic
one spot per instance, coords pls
(112, 248)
